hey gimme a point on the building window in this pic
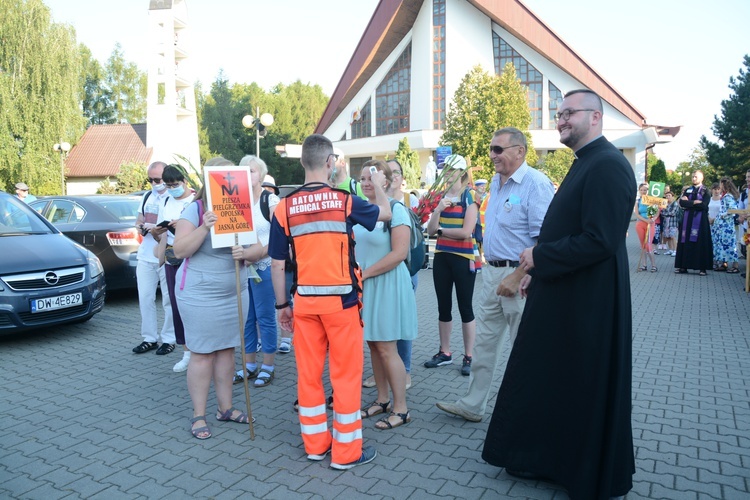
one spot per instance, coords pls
(438, 64)
(362, 127)
(555, 99)
(392, 97)
(527, 73)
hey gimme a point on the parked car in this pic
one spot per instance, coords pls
(45, 278)
(104, 224)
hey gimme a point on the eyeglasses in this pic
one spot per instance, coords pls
(171, 185)
(498, 150)
(157, 180)
(335, 157)
(565, 115)
(396, 172)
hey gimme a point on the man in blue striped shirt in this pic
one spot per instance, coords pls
(519, 197)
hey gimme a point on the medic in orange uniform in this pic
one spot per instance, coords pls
(316, 221)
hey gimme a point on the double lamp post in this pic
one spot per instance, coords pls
(259, 122)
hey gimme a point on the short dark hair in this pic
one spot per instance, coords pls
(517, 138)
(173, 173)
(315, 151)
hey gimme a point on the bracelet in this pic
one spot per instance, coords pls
(281, 306)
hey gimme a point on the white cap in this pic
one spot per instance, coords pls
(455, 161)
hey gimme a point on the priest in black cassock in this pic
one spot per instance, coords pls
(694, 247)
(564, 407)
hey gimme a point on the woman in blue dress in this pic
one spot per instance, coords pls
(389, 309)
(725, 242)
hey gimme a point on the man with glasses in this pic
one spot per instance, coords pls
(22, 193)
(148, 272)
(563, 411)
(518, 201)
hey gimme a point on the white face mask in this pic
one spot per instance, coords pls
(159, 188)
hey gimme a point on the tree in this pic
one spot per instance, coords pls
(732, 156)
(296, 109)
(39, 95)
(482, 104)
(126, 86)
(657, 171)
(556, 164)
(409, 160)
(132, 177)
(697, 160)
(96, 100)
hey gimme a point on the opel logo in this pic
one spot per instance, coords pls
(51, 278)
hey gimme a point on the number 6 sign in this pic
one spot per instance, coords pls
(656, 189)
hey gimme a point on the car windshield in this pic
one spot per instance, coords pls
(17, 218)
(125, 209)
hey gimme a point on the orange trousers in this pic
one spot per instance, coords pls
(340, 334)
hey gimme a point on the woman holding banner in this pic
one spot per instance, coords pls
(644, 227)
(207, 298)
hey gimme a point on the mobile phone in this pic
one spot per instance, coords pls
(373, 169)
(164, 223)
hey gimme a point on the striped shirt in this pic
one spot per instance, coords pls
(453, 217)
(515, 212)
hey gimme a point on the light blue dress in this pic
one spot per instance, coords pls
(389, 308)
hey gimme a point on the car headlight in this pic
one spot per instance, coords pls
(94, 265)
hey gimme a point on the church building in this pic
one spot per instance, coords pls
(413, 55)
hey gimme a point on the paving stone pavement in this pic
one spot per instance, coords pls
(83, 417)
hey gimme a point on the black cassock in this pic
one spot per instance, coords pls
(694, 247)
(564, 407)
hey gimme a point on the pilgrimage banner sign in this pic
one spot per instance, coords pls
(230, 197)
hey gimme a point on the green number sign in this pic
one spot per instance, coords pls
(656, 189)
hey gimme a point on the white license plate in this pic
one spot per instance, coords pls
(59, 302)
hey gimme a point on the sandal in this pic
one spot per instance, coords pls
(733, 270)
(250, 375)
(642, 268)
(264, 378)
(145, 347)
(653, 269)
(197, 431)
(680, 271)
(375, 408)
(226, 416)
(386, 421)
(369, 382)
(702, 273)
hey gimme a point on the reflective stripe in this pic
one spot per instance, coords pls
(312, 411)
(324, 290)
(347, 418)
(324, 226)
(314, 429)
(347, 437)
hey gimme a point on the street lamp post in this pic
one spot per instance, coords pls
(62, 148)
(260, 123)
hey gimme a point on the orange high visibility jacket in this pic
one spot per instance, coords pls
(322, 246)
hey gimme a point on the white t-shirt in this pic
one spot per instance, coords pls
(150, 211)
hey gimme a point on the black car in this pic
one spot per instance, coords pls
(45, 278)
(104, 224)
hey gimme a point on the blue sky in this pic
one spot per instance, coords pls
(671, 59)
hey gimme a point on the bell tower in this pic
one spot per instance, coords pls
(172, 127)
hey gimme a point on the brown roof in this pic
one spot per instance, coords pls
(392, 19)
(103, 148)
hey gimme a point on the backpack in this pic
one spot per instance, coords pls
(416, 257)
(264, 207)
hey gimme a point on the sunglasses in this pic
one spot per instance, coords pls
(498, 150)
(157, 180)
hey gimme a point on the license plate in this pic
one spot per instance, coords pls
(59, 302)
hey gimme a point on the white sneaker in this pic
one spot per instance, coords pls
(182, 365)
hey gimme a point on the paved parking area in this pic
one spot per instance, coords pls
(83, 417)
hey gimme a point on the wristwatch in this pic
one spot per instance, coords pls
(439, 232)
